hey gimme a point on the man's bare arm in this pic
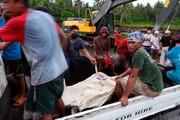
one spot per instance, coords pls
(127, 72)
(130, 85)
(86, 54)
(63, 38)
(131, 81)
(4, 45)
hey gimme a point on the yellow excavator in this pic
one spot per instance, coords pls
(85, 25)
(103, 17)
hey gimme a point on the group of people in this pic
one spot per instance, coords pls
(49, 53)
(155, 45)
(144, 75)
(163, 45)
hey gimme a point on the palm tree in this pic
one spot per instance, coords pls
(148, 11)
(78, 4)
(35, 3)
(157, 8)
(98, 3)
(125, 11)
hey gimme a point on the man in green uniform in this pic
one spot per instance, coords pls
(144, 75)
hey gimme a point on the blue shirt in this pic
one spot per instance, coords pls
(2, 23)
(74, 47)
(174, 56)
(12, 52)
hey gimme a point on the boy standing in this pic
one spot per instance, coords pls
(147, 42)
(37, 33)
(117, 39)
(155, 39)
(13, 65)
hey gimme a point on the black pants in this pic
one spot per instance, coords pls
(165, 78)
(82, 61)
(79, 67)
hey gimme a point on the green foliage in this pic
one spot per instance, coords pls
(67, 14)
(58, 20)
(177, 22)
(127, 14)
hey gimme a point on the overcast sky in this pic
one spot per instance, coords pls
(152, 2)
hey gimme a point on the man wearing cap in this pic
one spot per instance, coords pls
(165, 40)
(144, 75)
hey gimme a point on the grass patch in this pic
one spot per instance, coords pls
(144, 25)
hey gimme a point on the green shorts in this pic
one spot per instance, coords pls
(42, 98)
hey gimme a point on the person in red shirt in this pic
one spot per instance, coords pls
(124, 54)
(117, 39)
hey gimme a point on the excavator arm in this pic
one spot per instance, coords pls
(168, 7)
(104, 14)
(107, 7)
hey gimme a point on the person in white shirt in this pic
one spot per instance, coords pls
(155, 45)
(147, 42)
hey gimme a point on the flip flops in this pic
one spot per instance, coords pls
(20, 101)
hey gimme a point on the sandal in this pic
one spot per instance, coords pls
(20, 102)
(16, 97)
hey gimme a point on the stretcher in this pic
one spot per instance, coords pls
(92, 92)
